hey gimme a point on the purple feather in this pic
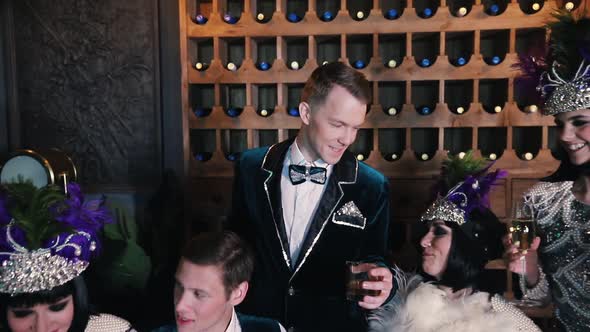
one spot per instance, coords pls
(477, 189)
(85, 216)
(4, 214)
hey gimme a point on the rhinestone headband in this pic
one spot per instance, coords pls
(31, 271)
(565, 96)
(46, 238)
(444, 208)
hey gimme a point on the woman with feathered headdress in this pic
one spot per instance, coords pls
(47, 239)
(463, 234)
(558, 263)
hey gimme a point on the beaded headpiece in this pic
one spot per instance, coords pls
(562, 74)
(46, 237)
(469, 194)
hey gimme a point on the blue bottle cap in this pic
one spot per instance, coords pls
(229, 18)
(200, 19)
(327, 16)
(425, 110)
(427, 12)
(233, 112)
(200, 156)
(293, 111)
(494, 9)
(359, 64)
(263, 65)
(200, 111)
(231, 156)
(391, 14)
(461, 61)
(425, 62)
(496, 60)
(292, 17)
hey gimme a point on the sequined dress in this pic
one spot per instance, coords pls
(564, 228)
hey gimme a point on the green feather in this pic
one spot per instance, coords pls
(455, 169)
(31, 208)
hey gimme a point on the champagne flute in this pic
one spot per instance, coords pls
(523, 232)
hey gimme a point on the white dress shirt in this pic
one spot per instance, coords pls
(234, 324)
(301, 201)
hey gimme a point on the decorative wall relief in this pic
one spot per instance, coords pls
(88, 84)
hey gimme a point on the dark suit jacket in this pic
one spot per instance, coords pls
(308, 294)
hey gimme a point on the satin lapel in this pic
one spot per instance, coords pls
(272, 165)
(344, 173)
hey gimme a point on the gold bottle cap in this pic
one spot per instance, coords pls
(424, 156)
(360, 157)
(498, 109)
(199, 65)
(360, 15)
(493, 156)
(294, 65)
(325, 62)
(391, 63)
(462, 11)
(392, 111)
(231, 66)
(260, 16)
(460, 110)
(461, 155)
(394, 156)
(569, 5)
(536, 6)
(264, 112)
(531, 108)
(528, 156)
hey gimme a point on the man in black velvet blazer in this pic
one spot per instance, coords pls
(308, 206)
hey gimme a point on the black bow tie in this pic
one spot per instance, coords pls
(300, 173)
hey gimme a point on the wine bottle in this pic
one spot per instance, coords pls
(493, 9)
(233, 111)
(261, 18)
(462, 11)
(200, 19)
(263, 65)
(359, 64)
(231, 66)
(460, 110)
(531, 108)
(527, 156)
(359, 15)
(200, 66)
(492, 156)
(391, 14)
(424, 156)
(569, 6)
(294, 65)
(264, 112)
(232, 156)
(460, 61)
(394, 156)
(497, 108)
(426, 13)
(425, 63)
(392, 63)
(201, 111)
(425, 110)
(493, 60)
(327, 16)
(293, 111)
(293, 18)
(360, 157)
(202, 156)
(230, 19)
(391, 111)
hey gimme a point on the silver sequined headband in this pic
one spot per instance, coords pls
(444, 209)
(42, 269)
(566, 96)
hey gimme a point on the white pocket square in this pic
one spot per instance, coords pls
(349, 215)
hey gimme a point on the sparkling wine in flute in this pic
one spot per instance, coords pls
(523, 232)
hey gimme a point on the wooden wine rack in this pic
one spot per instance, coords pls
(382, 134)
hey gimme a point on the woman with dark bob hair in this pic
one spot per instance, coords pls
(46, 242)
(463, 234)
